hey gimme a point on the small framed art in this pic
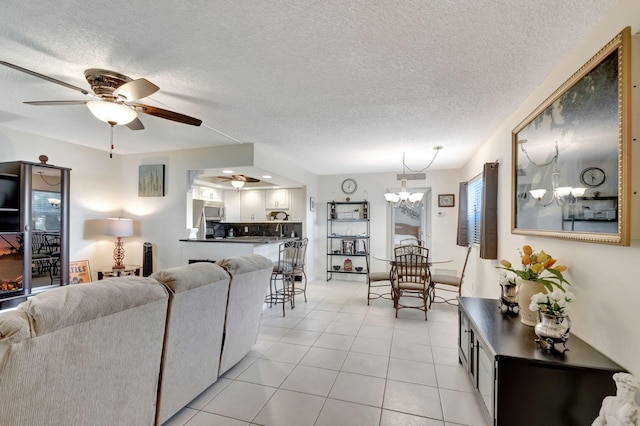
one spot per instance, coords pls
(312, 204)
(446, 200)
(151, 180)
(79, 272)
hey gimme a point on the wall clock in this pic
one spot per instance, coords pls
(592, 176)
(349, 186)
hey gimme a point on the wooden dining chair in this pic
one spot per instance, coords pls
(378, 283)
(411, 277)
(451, 283)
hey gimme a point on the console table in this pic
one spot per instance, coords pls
(108, 272)
(517, 382)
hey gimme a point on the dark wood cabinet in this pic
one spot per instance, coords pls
(517, 382)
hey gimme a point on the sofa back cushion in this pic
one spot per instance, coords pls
(250, 275)
(193, 335)
(74, 304)
(189, 277)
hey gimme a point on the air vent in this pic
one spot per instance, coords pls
(413, 176)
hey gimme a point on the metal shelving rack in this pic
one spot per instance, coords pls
(348, 233)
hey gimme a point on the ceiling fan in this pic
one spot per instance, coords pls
(114, 97)
(238, 181)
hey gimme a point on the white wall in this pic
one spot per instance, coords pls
(603, 277)
(443, 230)
(95, 187)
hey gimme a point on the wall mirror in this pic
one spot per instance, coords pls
(571, 156)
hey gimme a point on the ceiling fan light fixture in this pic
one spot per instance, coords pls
(237, 184)
(112, 112)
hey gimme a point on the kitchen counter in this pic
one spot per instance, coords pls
(220, 248)
(245, 240)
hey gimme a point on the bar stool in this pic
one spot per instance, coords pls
(298, 264)
(283, 272)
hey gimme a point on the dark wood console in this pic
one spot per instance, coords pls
(517, 382)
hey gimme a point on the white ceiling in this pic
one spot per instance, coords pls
(338, 86)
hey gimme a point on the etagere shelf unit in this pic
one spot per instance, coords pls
(347, 237)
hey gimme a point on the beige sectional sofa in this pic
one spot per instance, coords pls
(128, 350)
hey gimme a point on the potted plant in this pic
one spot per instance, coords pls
(553, 322)
(539, 272)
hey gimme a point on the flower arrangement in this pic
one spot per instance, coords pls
(554, 303)
(540, 267)
(505, 280)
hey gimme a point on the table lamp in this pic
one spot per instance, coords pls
(119, 227)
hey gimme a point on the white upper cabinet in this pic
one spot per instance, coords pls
(298, 203)
(208, 193)
(231, 206)
(277, 199)
(252, 206)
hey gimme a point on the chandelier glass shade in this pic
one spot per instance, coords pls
(404, 197)
(561, 194)
(112, 112)
(237, 184)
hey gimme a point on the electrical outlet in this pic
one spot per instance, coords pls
(246, 229)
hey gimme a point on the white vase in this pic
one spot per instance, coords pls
(526, 289)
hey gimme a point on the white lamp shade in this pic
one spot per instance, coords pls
(578, 192)
(538, 193)
(237, 184)
(563, 191)
(119, 227)
(391, 197)
(111, 112)
(415, 197)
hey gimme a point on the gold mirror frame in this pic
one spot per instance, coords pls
(555, 150)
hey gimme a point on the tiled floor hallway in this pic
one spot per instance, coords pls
(336, 361)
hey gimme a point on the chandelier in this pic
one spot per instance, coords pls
(560, 194)
(405, 198)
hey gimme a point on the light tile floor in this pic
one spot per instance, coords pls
(336, 361)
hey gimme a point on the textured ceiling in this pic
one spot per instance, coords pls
(337, 86)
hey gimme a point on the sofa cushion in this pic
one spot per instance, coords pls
(76, 303)
(14, 326)
(243, 264)
(189, 277)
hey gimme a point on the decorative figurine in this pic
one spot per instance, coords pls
(621, 409)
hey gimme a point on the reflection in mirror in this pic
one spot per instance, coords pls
(570, 155)
(46, 224)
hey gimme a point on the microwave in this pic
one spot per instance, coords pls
(213, 211)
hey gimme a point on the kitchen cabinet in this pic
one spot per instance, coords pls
(210, 194)
(297, 199)
(277, 199)
(231, 206)
(517, 382)
(252, 206)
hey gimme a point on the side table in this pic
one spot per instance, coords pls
(108, 272)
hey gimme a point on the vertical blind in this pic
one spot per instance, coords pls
(478, 212)
(474, 209)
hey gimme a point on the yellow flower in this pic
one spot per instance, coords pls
(526, 259)
(560, 268)
(527, 249)
(505, 263)
(537, 268)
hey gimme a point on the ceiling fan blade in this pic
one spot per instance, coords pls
(169, 115)
(136, 124)
(247, 179)
(55, 102)
(45, 77)
(136, 89)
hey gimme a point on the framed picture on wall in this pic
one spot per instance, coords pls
(79, 272)
(151, 180)
(446, 200)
